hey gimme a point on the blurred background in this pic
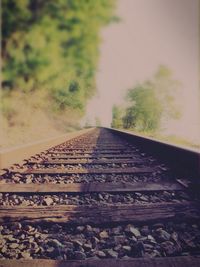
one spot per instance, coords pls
(129, 64)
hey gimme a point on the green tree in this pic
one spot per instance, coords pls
(116, 117)
(128, 119)
(167, 90)
(97, 122)
(53, 46)
(145, 111)
(150, 103)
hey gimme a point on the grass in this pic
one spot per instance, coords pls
(28, 118)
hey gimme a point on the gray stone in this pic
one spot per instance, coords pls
(134, 239)
(17, 179)
(30, 239)
(138, 194)
(116, 230)
(166, 194)
(131, 229)
(174, 236)
(79, 255)
(148, 246)
(143, 198)
(78, 243)
(68, 252)
(88, 227)
(16, 226)
(80, 229)
(140, 249)
(28, 228)
(13, 245)
(100, 197)
(54, 243)
(155, 253)
(103, 234)
(87, 246)
(89, 231)
(50, 249)
(12, 254)
(145, 230)
(28, 180)
(95, 240)
(111, 253)
(163, 235)
(5, 231)
(10, 238)
(142, 238)
(56, 227)
(117, 248)
(151, 238)
(158, 225)
(4, 249)
(48, 201)
(26, 255)
(119, 239)
(127, 248)
(100, 254)
(68, 245)
(168, 247)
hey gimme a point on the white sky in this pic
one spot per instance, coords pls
(152, 32)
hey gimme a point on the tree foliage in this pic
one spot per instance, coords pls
(149, 103)
(97, 122)
(53, 45)
(145, 111)
(116, 117)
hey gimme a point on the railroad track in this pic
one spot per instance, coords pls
(105, 198)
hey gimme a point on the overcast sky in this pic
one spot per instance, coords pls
(151, 32)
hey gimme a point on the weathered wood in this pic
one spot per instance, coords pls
(90, 146)
(85, 171)
(104, 214)
(87, 161)
(184, 261)
(82, 151)
(90, 187)
(131, 156)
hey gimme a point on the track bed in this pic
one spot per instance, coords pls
(99, 200)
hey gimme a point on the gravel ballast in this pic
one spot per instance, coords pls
(80, 242)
